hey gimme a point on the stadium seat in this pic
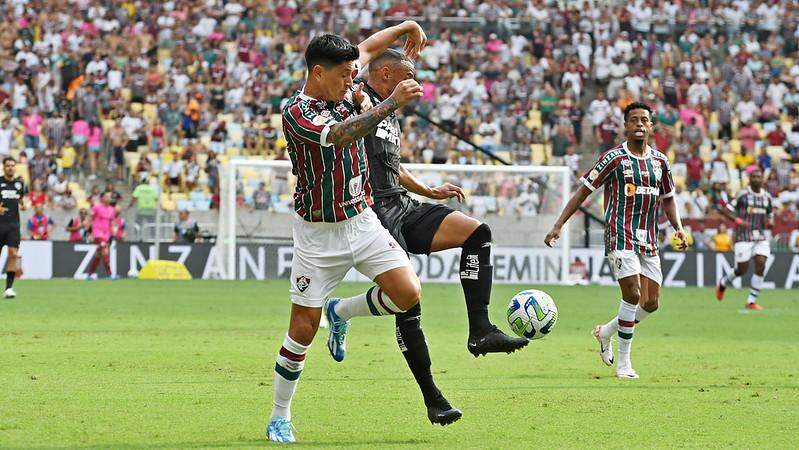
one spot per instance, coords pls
(150, 112)
(166, 203)
(276, 121)
(538, 154)
(776, 152)
(735, 146)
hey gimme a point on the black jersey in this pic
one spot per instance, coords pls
(383, 151)
(11, 193)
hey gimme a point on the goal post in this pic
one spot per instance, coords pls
(519, 202)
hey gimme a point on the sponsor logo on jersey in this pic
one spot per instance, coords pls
(755, 210)
(592, 175)
(302, 283)
(388, 132)
(320, 120)
(608, 158)
(631, 189)
(10, 194)
(627, 172)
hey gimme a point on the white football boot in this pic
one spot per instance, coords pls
(605, 346)
(626, 371)
(9, 293)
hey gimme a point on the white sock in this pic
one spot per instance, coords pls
(625, 333)
(640, 314)
(371, 303)
(612, 327)
(289, 364)
(728, 279)
(754, 291)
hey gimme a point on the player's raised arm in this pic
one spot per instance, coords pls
(417, 186)
(571, 207)
(376, 44)
(342, 133)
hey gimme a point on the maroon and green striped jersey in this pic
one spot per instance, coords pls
(754, 208)
(632, 187)
(332, 182)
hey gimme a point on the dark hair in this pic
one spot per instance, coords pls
(636, 105)
(388, 57)
(9, 158)
(329, 50)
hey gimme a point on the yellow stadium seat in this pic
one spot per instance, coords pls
(131, 159)
(135, 106)
(178, 196)
(735, 146)
(233, 151)
(776, 152)
(150, 112)
(705, 152)
(538, 153)
(730, 159)
(125, 93)
(84, 204)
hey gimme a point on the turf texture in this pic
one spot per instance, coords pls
(133, 364)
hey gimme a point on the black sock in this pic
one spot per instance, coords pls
(410, 338)
(477, 275)
(10, 279)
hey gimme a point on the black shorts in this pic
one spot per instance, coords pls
(9, 235)
(413, 224)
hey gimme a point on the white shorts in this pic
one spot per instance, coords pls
(627, 263)
(325, 252)
(744, 251)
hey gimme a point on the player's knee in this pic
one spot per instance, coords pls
(633, 297)
(409, 296)
(479, 236)
(651, 305)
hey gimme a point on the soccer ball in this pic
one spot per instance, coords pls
(133, 273)
(532, 314)
(676, 244)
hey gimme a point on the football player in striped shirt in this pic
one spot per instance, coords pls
(634, 176)
(334, 227)
(754, 212)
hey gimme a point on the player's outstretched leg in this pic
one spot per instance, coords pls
(413, 345)
(397, 290)
(476, 273)
(727, 280)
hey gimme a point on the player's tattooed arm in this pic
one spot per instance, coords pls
(359, 126)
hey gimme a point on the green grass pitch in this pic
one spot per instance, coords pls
(133, 364)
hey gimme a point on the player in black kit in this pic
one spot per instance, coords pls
(424, 228)
(12, 190)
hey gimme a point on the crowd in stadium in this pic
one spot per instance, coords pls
(162, 93)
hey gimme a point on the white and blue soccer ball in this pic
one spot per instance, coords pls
(532, 314)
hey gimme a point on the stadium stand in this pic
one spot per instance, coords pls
(164, 92)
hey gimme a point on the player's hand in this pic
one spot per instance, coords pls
(415, 39)
(683, 240)
(406, 92)
(3, 210)
(739, 221)
(552, 237)
(361, 99)
(445, 191)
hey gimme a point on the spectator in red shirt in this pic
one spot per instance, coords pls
(776, 136)
(39, 225)
(606, 133)
(36, 196)
(695, 167)
(662, 139)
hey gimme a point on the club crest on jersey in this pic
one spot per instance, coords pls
(627, 163)
(18, 185)
(303, 283)
(658, 172)
(355, 186)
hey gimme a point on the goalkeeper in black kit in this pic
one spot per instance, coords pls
(424, 228)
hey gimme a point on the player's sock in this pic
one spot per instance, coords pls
(728, 279)
(288, 367)
(373, 302)
(477, 275)
(10, 279)
(107, 263)
(754, 291)
(640, 314)
(411, 341)
(625, 333)
(612, 327)
(95, 262)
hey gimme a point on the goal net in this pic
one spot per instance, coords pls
(520, 203)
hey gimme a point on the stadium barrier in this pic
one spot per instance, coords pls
(521, 265)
